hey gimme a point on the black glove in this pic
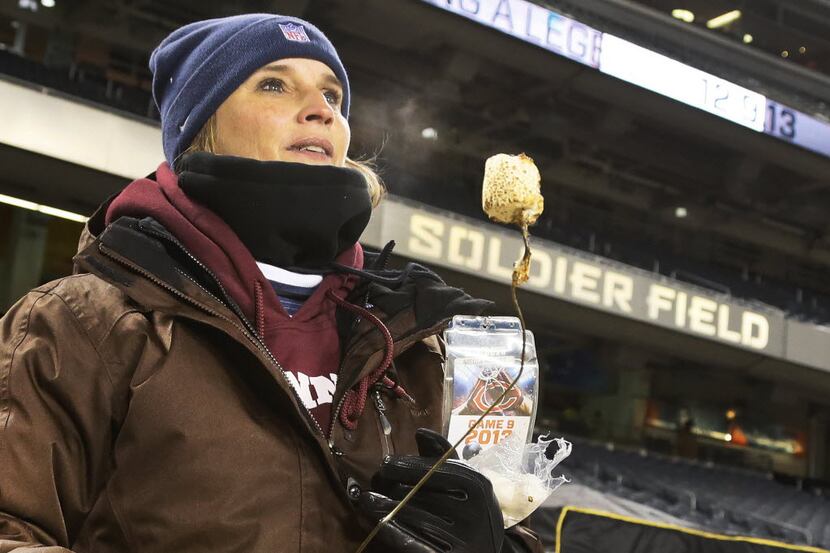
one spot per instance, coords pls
(518, 539)
(455, 511)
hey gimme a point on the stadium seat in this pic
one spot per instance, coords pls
(718, 498)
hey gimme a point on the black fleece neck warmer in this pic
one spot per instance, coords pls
(291, 215)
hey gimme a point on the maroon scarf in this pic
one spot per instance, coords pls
(306, 345)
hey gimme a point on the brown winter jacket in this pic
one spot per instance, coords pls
(138, 413)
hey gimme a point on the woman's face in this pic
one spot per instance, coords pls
(288, 110)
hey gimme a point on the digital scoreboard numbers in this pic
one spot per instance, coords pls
(663, 75)
(798, 128)
(642, 67)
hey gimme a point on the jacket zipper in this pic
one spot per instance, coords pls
(385, 425)
(246, 330)
(416, 335)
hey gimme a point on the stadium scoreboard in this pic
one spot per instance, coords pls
(640, 66)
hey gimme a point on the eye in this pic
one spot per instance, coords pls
(272, 85)
(333, 97)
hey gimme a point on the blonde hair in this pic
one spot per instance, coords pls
(205, 141)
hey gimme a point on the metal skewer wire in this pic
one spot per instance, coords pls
(513, 288)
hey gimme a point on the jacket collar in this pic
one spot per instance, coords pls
(93, 227)
(410, 301)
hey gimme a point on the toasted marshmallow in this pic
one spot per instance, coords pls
(511, 191)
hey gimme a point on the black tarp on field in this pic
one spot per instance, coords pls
(591, 531)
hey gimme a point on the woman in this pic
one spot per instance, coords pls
(227, 370)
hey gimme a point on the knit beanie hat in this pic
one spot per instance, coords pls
(199, 65)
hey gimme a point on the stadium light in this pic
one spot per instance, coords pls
(45, 209)
(429, 134)
(681, 212)
(785, 54)
(683, 15)
(748, 38)
(802, 50)
(724, 19)
(48, 3)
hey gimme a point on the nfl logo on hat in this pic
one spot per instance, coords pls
(294, 32)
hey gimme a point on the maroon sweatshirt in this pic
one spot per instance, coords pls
(306, 345)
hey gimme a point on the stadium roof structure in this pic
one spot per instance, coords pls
(793, 31)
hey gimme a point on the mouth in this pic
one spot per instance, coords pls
(318, 149)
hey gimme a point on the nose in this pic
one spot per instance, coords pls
(316, 110)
